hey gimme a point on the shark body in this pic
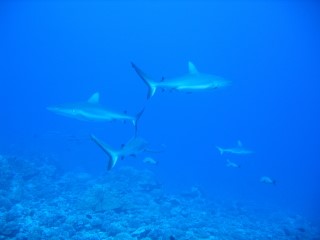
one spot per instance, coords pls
(92, 110)
(267, 180)
(191, 82)
(232, 164)
(239, 149)
(133, 147)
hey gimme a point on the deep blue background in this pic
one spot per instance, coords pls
(53, 53)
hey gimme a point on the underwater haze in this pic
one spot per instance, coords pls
(239, 161)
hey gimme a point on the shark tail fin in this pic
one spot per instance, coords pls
(220, 150)
(136, 119)
(113, 156)
(151, 84)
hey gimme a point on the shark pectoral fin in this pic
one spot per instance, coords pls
(192, 68)
(94, 98)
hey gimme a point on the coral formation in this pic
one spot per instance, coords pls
(37, 201)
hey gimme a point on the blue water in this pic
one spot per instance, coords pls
(52, 53)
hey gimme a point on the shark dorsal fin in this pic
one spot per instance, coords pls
(239, 143)
(94, 98)
(192, 68)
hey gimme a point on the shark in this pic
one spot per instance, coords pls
(239, 149)
(191, 82)
(92, 110)
(268, 180)
(232, 164)
(136, 145)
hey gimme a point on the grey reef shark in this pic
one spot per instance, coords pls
(267, 180)
(92, 110)
(232, 164)
(133, 147)
(239, 149)
(191, 82)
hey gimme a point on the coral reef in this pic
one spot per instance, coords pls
(37, 201)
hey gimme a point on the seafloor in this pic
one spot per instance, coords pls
(38, 201)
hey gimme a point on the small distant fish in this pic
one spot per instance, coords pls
(232, 164)
(239, 149)
(191, 82)
(150, 160)
(267, 180)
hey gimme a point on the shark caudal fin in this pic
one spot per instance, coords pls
(151, 84)
(135, 121)
(113, 155)
(221, 150)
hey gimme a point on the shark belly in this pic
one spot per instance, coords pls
(87, 116)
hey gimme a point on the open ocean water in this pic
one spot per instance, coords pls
(226, 148)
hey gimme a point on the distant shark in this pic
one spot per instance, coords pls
(191, 82)
(133, 147)
(267, 180)
(232, 164)
(91, 110)
(239, 149)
